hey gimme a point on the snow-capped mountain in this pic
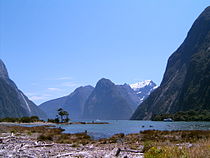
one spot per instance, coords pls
(143, 88)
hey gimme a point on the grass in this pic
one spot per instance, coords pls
(75, 139)
(153, 143)
(175, 136)
(176, 144)
(166, 144)
(44, 133)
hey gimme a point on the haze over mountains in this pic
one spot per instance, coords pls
(185, 86)
(106, 101)
(186, 82)
(73, 103)
(13, 103)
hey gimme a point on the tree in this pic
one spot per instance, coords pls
(57, 119)
(66, 114)
(63, 113)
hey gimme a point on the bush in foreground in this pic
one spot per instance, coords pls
(21, 119)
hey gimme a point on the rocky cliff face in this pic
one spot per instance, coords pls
(13, 103)
(105, 101)
(73, 103)
(3, 70)
(186, 82)
(109, 101)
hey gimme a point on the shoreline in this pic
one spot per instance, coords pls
(50, 123)
(42, 141)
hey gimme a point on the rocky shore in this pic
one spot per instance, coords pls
(24, 146)
(33, 142)
(48, 141)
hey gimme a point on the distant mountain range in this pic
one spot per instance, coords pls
(13, 103)
(73, 103)
(105, 101)
(186, 82)
(110, 102)
(185, 86)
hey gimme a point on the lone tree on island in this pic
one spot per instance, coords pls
(63, 113)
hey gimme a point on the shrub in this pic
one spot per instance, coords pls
(166, 152)
(45, 137)
(147, 146)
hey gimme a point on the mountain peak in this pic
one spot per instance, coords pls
(142, 84)
(143, 89)
(3, 70)
(104, 83)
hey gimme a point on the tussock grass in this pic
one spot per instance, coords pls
(176, 144)
(154, 144)
(44, 133)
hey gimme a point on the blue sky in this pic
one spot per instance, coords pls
(50, 47)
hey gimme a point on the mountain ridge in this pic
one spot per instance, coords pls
(185, 83)
(73, 103)
(13, 102)
(121, 92)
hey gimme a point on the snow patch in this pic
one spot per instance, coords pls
(142, 84)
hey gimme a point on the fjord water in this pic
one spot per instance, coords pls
(129, 126)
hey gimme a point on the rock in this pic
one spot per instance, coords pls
(118, 152)
(26, 146)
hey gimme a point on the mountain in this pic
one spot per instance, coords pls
(109, 101)
(73, 103)
(186, 82)
(143, 89)
(79, 103)
(13, 103)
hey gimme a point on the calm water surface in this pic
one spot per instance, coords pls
(128, 126)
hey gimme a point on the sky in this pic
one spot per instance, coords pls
(51, 47)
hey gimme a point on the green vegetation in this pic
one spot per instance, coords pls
(191, 115)
(165, 144)
(49, 133)
(176, 144)
(167, 152)
(63, 113)
(45, 137)
(186, 82)
(153, 143)
(61, 117)
(21, 119)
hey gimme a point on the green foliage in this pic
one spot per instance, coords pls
(64, 117)
(151, 136)
(53, 120)
(154, 152)
(191, 115)
(63, 113)
(147, 146)
(45, 137)
(166, 152)
(21, 119)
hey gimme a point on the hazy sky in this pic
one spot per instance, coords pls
(50, 47)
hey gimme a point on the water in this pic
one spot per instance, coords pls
(127, 126)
